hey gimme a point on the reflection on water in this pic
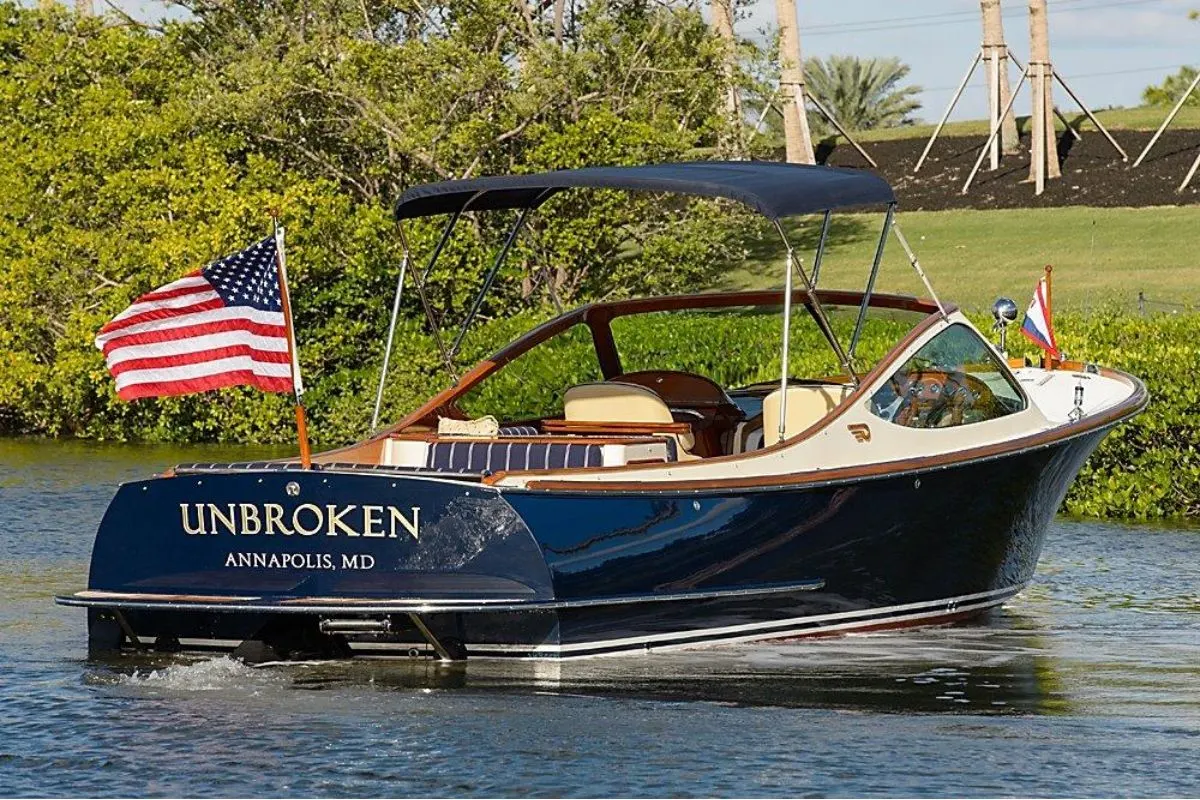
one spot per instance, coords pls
(981, 670)
(1087, 683)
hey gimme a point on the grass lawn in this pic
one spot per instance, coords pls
(1100, 255)
(1142, 118)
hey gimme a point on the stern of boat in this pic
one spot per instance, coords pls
(296, 563)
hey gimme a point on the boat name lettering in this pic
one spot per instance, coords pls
(306, 519)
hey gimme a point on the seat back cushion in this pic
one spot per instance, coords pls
(495, 456)
(747, 436)
(806, 405)
(614, 402)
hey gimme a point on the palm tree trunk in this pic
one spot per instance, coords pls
(722, 24)
(1044, 145)
(995, 51)
(560, 9)
(791, 84)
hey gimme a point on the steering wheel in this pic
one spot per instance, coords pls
(931, 398)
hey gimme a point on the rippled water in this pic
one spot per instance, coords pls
(1086, 684)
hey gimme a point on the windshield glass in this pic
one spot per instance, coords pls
(954, 379)
(531, 386)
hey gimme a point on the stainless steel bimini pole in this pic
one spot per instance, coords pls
(387, 351)
(821, 248)
(866, 300)
(419, 281)
(491, 276)
(787, 336)
(818, 309)
(916, 265)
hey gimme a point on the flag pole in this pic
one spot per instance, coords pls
(1049, 304)
(1052, 359)
(293, 356)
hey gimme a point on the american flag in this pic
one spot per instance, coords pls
(220, 326)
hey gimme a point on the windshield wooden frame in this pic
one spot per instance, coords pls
(598, 316)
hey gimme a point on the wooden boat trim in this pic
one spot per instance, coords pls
(598, 315)
(859, 392)
(1126, 408)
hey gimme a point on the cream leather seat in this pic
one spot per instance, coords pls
(805, 406)
(613, 401)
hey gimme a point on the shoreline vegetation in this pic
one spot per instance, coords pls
(134, 156)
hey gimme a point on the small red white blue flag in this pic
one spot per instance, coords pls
(1038, 327)
(221, 326)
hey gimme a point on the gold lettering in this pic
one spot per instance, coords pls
(188, 527)
(215, 514)
(335, 521)
(411, 527)
(372, 522)
(316, 512)
(250, 514)
(274, 514)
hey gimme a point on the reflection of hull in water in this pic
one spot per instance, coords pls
(531, 574)
(992, 670)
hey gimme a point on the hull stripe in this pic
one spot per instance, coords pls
(848, 621)
(754, 630)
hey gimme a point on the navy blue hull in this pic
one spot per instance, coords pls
(568, 574)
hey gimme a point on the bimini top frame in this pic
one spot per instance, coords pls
(773, 189)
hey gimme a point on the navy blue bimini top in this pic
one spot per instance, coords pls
(773, 189)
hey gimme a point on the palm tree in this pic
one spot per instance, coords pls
(863, 93)
(796, 136)
(723, 14)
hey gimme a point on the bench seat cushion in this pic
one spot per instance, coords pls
(489, 457)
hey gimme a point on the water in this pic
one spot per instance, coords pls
(1086, 684)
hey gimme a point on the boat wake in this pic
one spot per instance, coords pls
(208, 675)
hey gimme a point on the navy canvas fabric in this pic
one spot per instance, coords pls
(771, 188)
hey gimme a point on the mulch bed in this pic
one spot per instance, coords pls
(1093, 173)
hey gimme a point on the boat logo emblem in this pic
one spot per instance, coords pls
(292, 489)
(862, 433)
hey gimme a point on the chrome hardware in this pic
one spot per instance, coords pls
(292, 489)
(1077, 412)
(1004, 311)
(352, 626)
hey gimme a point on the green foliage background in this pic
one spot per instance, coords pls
(1171, 89)
(134, 155)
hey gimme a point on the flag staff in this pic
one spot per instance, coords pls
(1049, 303)
(285, 302)
(1052, 359)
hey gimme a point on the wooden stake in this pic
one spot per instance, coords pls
(995, 132)
(993, 40)
(1182, 99)
(949, 109)
(1191, 174)
(845, 134)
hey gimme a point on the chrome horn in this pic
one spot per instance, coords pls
(1005, 311)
